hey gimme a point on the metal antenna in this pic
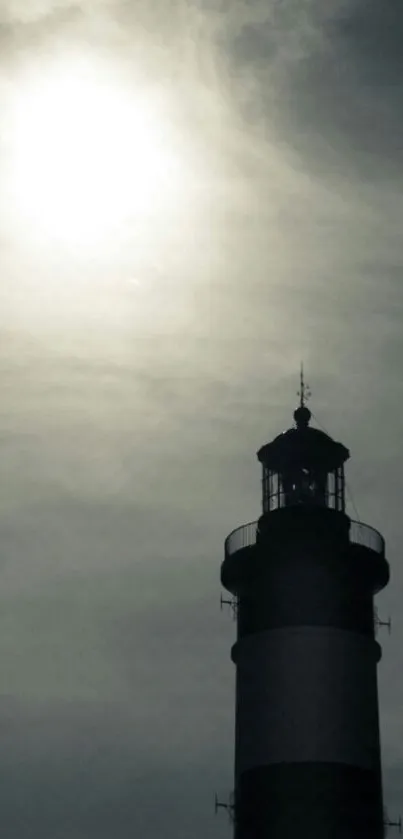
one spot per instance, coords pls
(381, 623)
(398, 823)
(228, 806)
(304, 391)
(232, 603)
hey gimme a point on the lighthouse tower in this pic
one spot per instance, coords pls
(307, 747)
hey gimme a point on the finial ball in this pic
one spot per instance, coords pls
(302, 416)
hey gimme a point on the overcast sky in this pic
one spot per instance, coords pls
(141, 370)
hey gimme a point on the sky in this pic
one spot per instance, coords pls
(194, 197)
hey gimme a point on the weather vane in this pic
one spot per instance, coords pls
(304, 391)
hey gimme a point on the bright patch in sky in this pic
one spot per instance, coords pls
(90, 154)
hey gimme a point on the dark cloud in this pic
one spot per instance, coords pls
(330, 82)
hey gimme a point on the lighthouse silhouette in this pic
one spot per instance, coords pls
(303, 577)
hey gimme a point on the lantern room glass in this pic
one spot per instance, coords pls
(300, 485)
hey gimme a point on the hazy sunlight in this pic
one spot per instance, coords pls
(89, 155)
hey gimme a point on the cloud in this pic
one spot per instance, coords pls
(330, 81)
(80, 769)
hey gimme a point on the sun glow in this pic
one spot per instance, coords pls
(90, 155)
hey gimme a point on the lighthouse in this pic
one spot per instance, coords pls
(303, 577)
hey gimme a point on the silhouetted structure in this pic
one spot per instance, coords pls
(307, 748)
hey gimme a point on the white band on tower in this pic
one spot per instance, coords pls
(306, 693)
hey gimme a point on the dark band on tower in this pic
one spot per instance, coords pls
(307, 745)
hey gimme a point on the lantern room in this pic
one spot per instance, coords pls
(303, 466)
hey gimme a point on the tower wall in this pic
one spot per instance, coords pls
(306, 693)
(307, 753)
